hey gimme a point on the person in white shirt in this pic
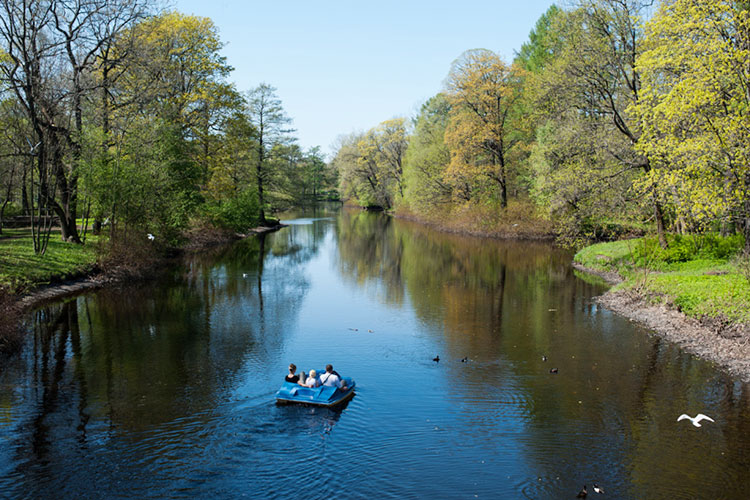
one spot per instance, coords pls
(312, 380)
(331, 379)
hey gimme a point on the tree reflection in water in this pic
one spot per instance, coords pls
(167, 388)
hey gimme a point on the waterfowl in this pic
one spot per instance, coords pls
(464, 360)
(553, 370)
(544, 358)
(582, 493)
(436, 359)
(695, 419)
(597, 489)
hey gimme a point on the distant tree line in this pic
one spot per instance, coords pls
(615, 116)
(115, 113)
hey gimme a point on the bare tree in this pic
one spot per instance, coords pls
(52, 48)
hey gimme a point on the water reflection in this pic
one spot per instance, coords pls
(505, 306)
(166, 388)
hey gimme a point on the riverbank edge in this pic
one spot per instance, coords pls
(473, 231)
(13, 307)
(725, 345)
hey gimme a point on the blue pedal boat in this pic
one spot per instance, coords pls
(320, 396)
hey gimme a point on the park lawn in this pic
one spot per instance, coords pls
(22, 270)
(710, 287)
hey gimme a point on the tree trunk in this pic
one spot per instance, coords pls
(659, 217)
(259, 176)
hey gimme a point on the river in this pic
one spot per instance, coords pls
(166, 389)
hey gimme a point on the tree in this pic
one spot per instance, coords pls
(594, 76)
(695, 108)
(482, 91)
(166, 109)
(428, 157)
(51, 50)
(543, 43)
(371, 165)
(270, 121)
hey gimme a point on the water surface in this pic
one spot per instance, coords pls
(166, 389)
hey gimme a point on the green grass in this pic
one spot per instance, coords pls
(606, 256)
(696, 274)
(21, 269)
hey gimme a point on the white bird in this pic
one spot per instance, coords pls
(695, 419)
(150, 236)
(244, 275)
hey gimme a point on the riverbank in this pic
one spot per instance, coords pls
(517, 221)
(700, 304)
(70, 270)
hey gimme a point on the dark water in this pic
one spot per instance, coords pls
(167, 389)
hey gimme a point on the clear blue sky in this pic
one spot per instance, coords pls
(344, 66)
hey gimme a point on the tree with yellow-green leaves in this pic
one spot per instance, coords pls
(482, 91)
(428, 157)
(371, 165)
(694, 109)
(587, 86)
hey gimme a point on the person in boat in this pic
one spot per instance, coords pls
(293, 377)
(332, 379)
(312, 380)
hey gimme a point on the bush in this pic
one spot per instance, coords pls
(12, 209)
(238, 214)
(681, 248)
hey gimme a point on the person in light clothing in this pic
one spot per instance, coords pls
(312, 380)
(332, 379)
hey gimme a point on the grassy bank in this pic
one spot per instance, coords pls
(702, 276)
(22, 270)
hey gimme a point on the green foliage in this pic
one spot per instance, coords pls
(711, 247)
(694, 110)
(12, 209)
(371, 165)
(699, 276)
(238, 213)
(543, 42)
(428, 157)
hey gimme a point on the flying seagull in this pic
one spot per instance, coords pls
(695, 420)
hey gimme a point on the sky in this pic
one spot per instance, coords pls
(345, 66)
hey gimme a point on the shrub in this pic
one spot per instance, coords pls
(683, 248)
(238, 214)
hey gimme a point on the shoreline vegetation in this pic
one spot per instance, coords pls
(699, 301)
(68, 270)
(517, 221)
